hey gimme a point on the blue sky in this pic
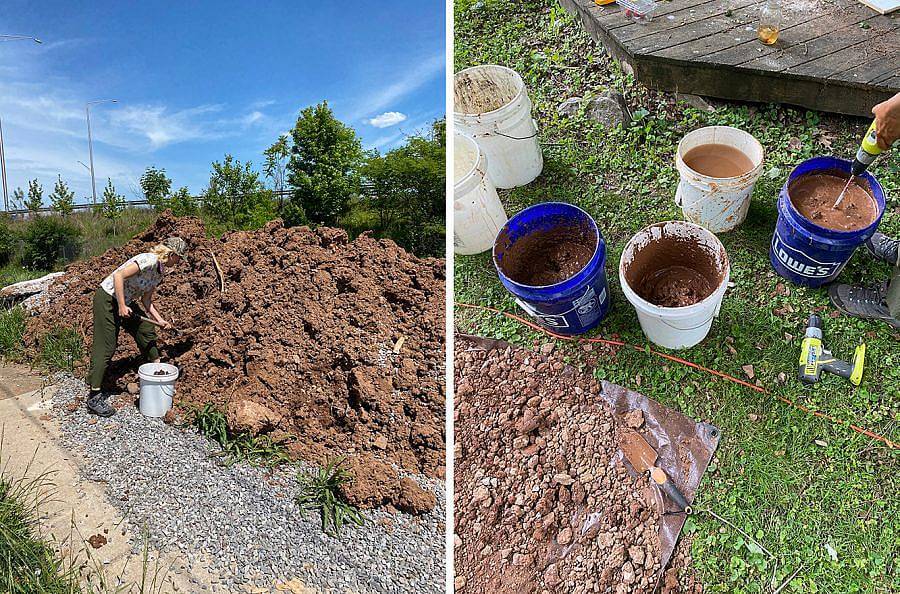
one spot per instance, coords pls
(195, 80)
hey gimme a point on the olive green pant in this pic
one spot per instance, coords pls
(892, 297)
(107, 324)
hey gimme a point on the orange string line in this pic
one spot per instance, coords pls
(687, 363)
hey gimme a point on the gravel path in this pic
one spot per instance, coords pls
(242, 520)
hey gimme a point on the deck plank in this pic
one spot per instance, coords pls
(833, 55)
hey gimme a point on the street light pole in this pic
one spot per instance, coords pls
(87, 113)
(2, 154)
(3, 171)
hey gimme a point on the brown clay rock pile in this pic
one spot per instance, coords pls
(302, 341)
(543, 502)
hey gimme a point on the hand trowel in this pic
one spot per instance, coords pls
(643, 458)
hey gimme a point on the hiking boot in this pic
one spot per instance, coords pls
(98, 405)
(862, 303)
(884, 248)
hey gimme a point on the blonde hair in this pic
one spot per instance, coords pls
(163, 252)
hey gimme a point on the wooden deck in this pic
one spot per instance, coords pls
(831, 55)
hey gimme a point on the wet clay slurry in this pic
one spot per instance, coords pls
(814, 195)
(548, 257)
(675, 286)
(673, 272)
(717, 160)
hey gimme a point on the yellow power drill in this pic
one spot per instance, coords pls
(815, 358)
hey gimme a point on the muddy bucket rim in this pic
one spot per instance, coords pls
(459, 185)
(520, 83)
(831, 163)
(598, 236)
(687, 310)
(757, 167)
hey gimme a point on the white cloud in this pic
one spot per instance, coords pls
(387, 119)
(163, 127)
(414, 79)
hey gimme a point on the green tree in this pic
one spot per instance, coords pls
(62, 200)
(275, 166)
(406, 187)
(18, 199)
(323, 168)
(182, 203)
(156, 186)
(35, 196)
(113, 204)
(236, 198)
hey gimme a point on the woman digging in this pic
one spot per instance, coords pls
(116, 307)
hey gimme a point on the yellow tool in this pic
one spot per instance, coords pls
(867, 152)
(814, 358)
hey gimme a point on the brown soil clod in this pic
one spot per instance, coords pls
(814, 195)
(305, 331)
(544, 258)
(96, 541)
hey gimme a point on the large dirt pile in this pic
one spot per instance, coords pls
(543, 503)
(303, 341)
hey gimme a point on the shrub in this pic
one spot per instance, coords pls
(48, 240)
(7, 244)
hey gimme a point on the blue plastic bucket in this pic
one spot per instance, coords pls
(574, 305)
(806, 253)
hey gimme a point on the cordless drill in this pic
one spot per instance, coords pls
(867, 152)
(814, 358)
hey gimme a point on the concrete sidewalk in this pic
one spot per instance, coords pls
(76, 509)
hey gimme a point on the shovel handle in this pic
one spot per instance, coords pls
(668, 487)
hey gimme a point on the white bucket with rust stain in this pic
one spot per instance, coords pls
(674, 243)
(157, 388)
(491, 104)
(478, 214)
(718, 203)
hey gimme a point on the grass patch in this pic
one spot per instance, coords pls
(256, 450)
(319, 491)
(60, 349)
(28, 563)
(12, 328)
(833, 508)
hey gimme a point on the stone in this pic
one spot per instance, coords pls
(249, 416)
(380, 442)
(694, 101)
(565, 536)
(132, 388)
(608, 108)
(628, 574)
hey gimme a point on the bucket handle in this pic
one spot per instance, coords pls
(700, 325)
(498, 133)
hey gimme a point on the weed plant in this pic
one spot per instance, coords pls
(256, 450)
(319, 490)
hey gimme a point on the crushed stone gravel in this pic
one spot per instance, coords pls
(241, 522)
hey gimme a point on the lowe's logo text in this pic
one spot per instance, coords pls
(800, 263)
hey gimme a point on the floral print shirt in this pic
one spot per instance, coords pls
(149, 275)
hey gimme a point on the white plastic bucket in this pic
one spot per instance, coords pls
(491, 104)
(157, 391)
(666, 244)
(719, 204)
(478, 214)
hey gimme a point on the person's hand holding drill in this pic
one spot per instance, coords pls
(887, 122)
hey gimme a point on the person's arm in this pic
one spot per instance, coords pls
(887, 122)
(150, 308)
(119, 277)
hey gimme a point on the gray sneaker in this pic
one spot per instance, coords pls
(884, 248)
(97, 403)
(862, 303)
